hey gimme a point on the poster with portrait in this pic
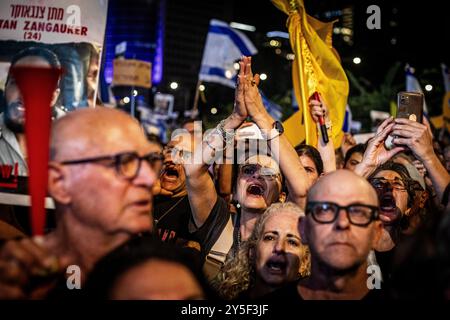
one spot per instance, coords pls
(73, 29)
(70, 32)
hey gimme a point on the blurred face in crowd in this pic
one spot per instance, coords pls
(13, 96)
(311, 169)
(340, 244)
(98, 195)
(392, 195)
(172, 177)
(279, 249)
(258, 183)
(353, 161)
(157, 280)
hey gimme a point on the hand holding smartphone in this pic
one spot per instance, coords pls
(409, 106)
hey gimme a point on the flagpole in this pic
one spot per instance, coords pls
(195, 106)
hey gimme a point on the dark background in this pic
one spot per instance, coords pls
(411, 32)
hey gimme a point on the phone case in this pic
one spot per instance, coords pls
(410, 106)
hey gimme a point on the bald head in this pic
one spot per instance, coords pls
(343, 187)
(89, 131)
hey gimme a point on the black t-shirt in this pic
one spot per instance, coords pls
(175, 222)
(289, 293)
(385, 261)
(172, 216)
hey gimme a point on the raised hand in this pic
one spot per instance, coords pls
(239, 104)
(318, 109)
(252, 98)
(21, 262)
(416, 136)
(376, 154)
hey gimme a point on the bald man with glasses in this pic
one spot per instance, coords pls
(340, 227)
(101, 173)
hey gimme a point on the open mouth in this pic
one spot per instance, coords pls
(171, 173)
(276, 266)
(255, 190)
(388, 209)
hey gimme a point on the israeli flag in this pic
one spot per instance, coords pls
(413, 85)
(347, 126)
(446, 75)
(224, 45)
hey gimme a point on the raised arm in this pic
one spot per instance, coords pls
(418, 137)
(326, 150)
(282, 150)
(201, 191)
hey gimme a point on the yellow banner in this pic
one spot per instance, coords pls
(316, 68)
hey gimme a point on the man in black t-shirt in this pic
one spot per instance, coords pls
(341, 226)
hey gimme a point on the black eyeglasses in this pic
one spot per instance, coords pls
(326, 212)
(126, 164)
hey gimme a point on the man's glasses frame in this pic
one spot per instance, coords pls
(120, 161)
(350, 210)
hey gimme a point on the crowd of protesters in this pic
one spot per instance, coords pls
(223, 217)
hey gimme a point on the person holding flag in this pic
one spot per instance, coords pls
(316, 68)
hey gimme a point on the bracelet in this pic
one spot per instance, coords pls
(224, 133)
(214, 132)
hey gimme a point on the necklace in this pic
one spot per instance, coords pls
(169, 210)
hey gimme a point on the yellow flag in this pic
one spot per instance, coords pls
(316, 68)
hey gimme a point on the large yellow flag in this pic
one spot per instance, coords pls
(316, 68)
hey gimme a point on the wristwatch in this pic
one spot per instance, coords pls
(277, 130)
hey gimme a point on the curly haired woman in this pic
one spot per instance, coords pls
(272, 257)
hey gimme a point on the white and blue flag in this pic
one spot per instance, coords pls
(347, 126)
(224, 45)
(413, 85)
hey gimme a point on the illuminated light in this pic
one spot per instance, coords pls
(428, 87)
(346, 31)
(336, 30)
(228, 74)
(201, 87)
(236, 66)
(290, 56)
(242, 26)
(274, 43)
(126, 100)
(346, 38)
(135, 93)
(173, 85)
(356, 60)
(213, 110)
(263, 76)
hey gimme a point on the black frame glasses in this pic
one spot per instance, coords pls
(126, 164)
(327, 212)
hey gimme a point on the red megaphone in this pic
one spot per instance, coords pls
(37, 85)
